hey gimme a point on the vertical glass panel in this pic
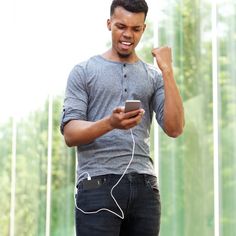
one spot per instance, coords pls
(186, 163)
(227, 109)
(31, 167)
(144, 52)
(5, 175)
(63, 179)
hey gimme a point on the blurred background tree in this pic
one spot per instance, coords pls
(185, 164)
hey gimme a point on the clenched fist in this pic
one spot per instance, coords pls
(163, 57)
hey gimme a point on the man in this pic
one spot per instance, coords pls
(117, 188)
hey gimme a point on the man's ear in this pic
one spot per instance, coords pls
(144, 27)
(109, 24)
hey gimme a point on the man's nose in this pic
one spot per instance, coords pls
(127, 33)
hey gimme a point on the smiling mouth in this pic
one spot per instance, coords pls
(126, 45)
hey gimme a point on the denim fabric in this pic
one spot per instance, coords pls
(137, 195)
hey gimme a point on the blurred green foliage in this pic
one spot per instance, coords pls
(186, 163)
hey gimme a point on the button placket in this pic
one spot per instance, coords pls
(125, 88)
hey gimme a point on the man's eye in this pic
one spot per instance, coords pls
(120, 27)
(137, 29)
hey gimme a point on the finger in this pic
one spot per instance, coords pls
(154, 51)
(131, 122)
(132, 114)
(142, 112)
(118, 110)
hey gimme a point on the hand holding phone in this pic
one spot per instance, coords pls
(120, 120)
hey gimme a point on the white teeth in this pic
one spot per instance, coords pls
(126, 43)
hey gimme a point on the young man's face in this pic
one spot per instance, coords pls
(127, 29)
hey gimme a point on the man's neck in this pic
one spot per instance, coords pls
(111, 56)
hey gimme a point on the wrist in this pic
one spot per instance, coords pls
(109, 123)
(167, 70)
(167, 73)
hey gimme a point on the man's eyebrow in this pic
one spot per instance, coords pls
(137, 26)
(121, 24)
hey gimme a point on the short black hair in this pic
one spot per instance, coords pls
(136, 6)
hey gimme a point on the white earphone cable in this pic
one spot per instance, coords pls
(111, 192)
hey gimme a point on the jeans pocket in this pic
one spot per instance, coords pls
(152, 184)
(92, 196)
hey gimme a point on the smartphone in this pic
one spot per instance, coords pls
(131, 105)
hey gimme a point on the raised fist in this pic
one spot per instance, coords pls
(163, 57)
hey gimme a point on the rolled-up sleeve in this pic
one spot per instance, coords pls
(159, 99)
(76, 98)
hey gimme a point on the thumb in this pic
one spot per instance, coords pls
(118, 110)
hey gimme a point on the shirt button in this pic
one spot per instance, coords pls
(124, 65)
(125, 90)
(125, 76)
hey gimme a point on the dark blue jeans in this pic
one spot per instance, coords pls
(137, 195)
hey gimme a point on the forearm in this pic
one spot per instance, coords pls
(173, 106)
(78, 132)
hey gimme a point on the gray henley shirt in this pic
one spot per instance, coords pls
(97, 86)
